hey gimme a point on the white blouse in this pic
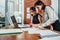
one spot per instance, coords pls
(52, 16)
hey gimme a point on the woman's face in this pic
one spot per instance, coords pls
(39, 7)
(32, 12)
(46, 2)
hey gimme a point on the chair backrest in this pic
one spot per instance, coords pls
(14, 21)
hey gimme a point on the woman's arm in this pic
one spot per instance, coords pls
(31, 18)
(51, 27)
(39, 18)
(31, 23)
(52, 17)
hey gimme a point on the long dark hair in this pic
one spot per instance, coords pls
(33, 8)
(40, 3)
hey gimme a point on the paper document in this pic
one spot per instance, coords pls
(52, 38)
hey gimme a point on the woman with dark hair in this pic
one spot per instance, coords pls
(48, 16)
(35, 17)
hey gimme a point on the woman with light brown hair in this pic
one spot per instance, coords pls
(48, 16)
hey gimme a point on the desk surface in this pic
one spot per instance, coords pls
(43, 33)
(14, 37)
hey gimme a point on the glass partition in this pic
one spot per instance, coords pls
(15, 7)
(2, 13)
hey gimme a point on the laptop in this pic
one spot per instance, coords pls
(18, 25)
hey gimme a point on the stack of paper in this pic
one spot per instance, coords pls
(48, 33)
(51, 38)
(10, 31)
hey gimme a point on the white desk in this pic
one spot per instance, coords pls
(43, 33)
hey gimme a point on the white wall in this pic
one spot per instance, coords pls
(2, 7)
(55, 6)
(59, 9)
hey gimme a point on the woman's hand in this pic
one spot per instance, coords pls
(51, 27)
(40, 27)
(31, 24)
(35, 25)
